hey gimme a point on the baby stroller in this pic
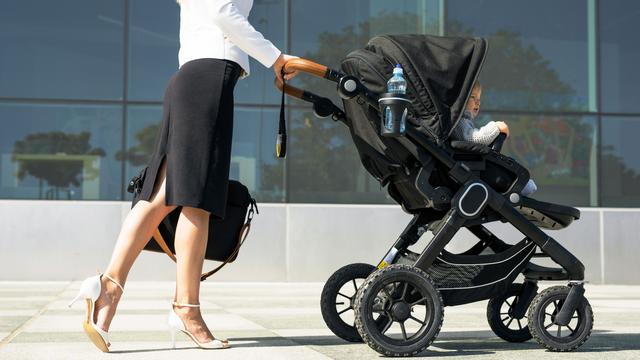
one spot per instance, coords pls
(446, 185)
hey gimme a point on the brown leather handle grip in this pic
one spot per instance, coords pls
(290, 90)
(305, 65)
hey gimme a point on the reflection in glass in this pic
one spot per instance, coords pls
(59, 152)
(324, 166)
(267, 16)
(558, 151)
(620, 55)
(620, 166)
(61, 49)
(153, 47)
(329, 41)
(143, 126)
(538, 51)
(252, 159)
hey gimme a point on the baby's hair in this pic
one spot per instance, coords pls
(477, 85)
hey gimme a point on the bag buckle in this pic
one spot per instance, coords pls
(253, 204)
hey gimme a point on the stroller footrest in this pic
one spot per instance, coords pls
(538, 272)
(547, 215)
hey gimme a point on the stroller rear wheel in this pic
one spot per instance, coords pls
(545, 306)
(501, 319)
(407, 299)
(337, 299)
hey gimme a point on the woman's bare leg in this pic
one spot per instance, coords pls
(136, 231)
(191, 242)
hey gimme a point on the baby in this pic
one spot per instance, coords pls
(466, 131)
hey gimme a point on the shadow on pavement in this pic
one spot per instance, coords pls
(458, 343)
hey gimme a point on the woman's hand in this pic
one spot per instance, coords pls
(277, 67)
(503, 127)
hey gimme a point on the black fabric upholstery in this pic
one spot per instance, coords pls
(466, 147)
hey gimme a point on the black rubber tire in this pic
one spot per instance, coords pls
(495, 317)
(329, 297)
(368, 327)
(537, 317)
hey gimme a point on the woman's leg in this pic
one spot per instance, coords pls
(191, 242)
(136, 231)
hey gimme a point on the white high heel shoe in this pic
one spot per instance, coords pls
(175, 324)
(90, 291)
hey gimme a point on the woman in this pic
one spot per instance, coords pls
(190, 165)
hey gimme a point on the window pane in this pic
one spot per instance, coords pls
(252, 160)
(64, 152)
(267, 16)
(342, 31)
(324, 166)
(620, 55)
(143, 126)
(558, 151)
(61, 49)
(153, 47)
(620, 162)
(538, 51)
(155, 43)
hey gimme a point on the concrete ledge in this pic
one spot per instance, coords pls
(67, 240)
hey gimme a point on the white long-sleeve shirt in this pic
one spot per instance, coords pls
(466, 131)
(219, 29)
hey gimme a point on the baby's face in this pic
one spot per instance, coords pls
(473, 105)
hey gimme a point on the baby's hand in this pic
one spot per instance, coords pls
(503, 127)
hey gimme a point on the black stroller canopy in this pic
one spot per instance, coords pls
(440, 72)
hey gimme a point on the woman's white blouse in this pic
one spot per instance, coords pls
(220, 29)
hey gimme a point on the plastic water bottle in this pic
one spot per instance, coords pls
(396, 85)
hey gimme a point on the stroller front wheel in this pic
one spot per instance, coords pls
(406, 298)
(542, 312)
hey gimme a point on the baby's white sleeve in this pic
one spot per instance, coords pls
(238, 29)
(485, 135)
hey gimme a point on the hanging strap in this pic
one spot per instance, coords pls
(244, 232)
(281, 141)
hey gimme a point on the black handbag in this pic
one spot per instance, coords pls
(226, 236)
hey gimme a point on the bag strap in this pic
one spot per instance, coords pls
(244, 232)
(281, 141)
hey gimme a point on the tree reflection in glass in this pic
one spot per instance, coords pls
(60, 159)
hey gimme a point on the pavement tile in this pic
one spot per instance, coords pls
(274, 321)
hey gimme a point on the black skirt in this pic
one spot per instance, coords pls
(195, 136)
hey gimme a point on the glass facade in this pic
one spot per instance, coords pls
(81, 86)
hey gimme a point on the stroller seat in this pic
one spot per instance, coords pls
(547, 215)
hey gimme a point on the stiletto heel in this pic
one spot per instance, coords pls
(90, 291)
(172, 331)
(175, 324)
(74, 299)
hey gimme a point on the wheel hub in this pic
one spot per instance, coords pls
(400, 311)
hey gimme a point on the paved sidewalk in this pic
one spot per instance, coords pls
(272, 321)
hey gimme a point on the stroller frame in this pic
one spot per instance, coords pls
(472, 205)
(461, 215)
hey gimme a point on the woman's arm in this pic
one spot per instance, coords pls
(238, 29)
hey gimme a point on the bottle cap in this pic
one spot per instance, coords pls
(397, 69)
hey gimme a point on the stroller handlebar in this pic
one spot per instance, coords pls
(307, 66)
(290, 90)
